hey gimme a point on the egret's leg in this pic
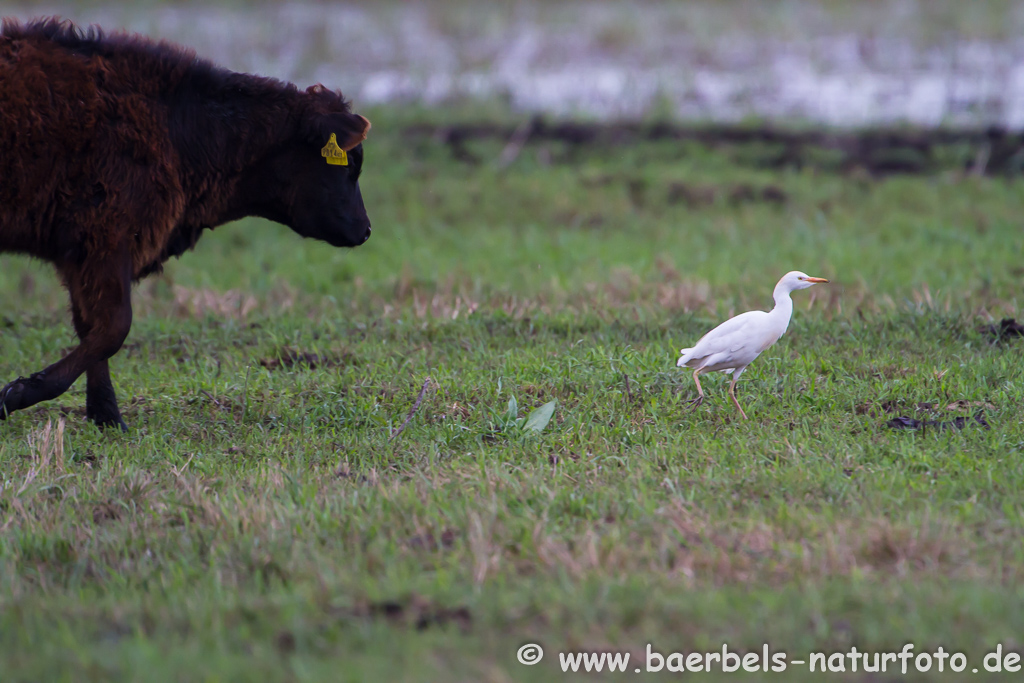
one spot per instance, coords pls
(700, 391)
(732, 394)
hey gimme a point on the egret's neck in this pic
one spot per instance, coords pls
(783, 310)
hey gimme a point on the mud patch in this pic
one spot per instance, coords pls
(909, 423)
(416, 612)
(879, 152)
(1007, 328)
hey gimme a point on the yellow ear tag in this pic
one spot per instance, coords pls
(335, 155)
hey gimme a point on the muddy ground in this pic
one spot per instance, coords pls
(878, 151)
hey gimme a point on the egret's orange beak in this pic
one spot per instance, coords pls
(816, 280)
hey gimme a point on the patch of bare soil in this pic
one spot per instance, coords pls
(416, 612)
(879, 152)
(1008, 328)
(956, 423)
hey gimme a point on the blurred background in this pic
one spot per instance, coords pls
(613, 153)
(829, 62)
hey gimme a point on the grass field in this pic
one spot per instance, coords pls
(259, 522)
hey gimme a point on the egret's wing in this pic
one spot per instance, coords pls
(737, 341)
(730, 335)
(731, 325)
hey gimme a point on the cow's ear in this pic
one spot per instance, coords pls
(356, 130)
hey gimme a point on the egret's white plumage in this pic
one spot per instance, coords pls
(734, 344)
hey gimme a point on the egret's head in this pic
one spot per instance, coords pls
(796, 279)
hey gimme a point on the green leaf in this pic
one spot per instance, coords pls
(540, 417)
(513, 410)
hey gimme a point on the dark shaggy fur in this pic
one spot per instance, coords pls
(117, 152)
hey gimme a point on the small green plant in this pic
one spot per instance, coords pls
(534, 423)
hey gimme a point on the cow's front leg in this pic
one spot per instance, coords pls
(101, 303)
(100, 399)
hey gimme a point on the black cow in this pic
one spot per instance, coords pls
(116, 152)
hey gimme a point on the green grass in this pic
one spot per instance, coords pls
(260, 523)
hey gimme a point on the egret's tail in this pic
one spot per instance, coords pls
(687, 354)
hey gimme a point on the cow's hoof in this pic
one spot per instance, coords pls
(10, 397)
(115, 422)
(101, 408)
(105, 419)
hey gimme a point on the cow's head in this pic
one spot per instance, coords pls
(321, 170)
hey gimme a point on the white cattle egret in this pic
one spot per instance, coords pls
(734, 344)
